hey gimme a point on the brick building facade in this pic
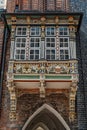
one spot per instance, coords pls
(40, 78)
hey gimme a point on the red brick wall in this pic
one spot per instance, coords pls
(38, 5)
(29, 103)
(11, 5)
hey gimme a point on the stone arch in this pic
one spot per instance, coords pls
(48, 116)
(40, 126)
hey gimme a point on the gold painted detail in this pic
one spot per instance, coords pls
(71, 19)
(72, 31)
(43, 20)
(72, 98)
(13, 101)
(47, 67)
(13, 20)
(12, 92)
(56, 19)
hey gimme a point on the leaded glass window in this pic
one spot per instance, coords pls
(64, 48)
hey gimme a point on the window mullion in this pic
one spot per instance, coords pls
(27, 43)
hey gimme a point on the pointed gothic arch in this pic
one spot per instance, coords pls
(47, 116)
(40, 126)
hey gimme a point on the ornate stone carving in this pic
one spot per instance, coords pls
(12, 92)
(56, 20)
(13, 101)
(42, 86)
(45, 67)
(42, 31)
(73, 90)
(43, 20)
(13, 20)
(19, 92)
(28, 19)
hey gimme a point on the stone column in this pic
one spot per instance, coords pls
(72, 41)
(12, 92)
(13, 101)
(13, 32)
(72, 98)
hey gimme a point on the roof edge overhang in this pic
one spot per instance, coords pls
(53, 13)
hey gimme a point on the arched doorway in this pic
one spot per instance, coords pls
(46, 118)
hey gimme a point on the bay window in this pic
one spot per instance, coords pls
(20, 43)
(64, 48)
(64, 43)
(35, 43)
(56, 44)
(34, 51)
(50, 43)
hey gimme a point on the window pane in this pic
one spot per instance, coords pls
(17, 57)
(35, 31)
(62, 57)
(66, 51)
(47, 39)
(48, 57)
(22, 51)
(52, 52)
(61, 39)
(23, 45)
(52, 39)
(52, 45)
(36, 51)
(31, 51)
(21, 31)
(17, 44)
(17, 51)
(22, 57)
(24, 40)
(47, 52)
(65, 39)
(61, 44)
(52, 57)
(63, 31)
(31, 44)
(37, 57)
(62, 52)
(36, 44)
(31, 57)
(48, 44)
(50, 31)
(66, 44)
(66, 57)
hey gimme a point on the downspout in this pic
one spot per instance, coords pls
(3, 56)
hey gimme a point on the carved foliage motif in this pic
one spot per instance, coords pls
(72, 97)
(44, 67)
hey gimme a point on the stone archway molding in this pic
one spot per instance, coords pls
(42, 125)
(52, 110)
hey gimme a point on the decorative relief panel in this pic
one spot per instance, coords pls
(45, 67)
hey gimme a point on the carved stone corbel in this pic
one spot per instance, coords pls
(42, 86)
(13, 101)
(72, 96)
